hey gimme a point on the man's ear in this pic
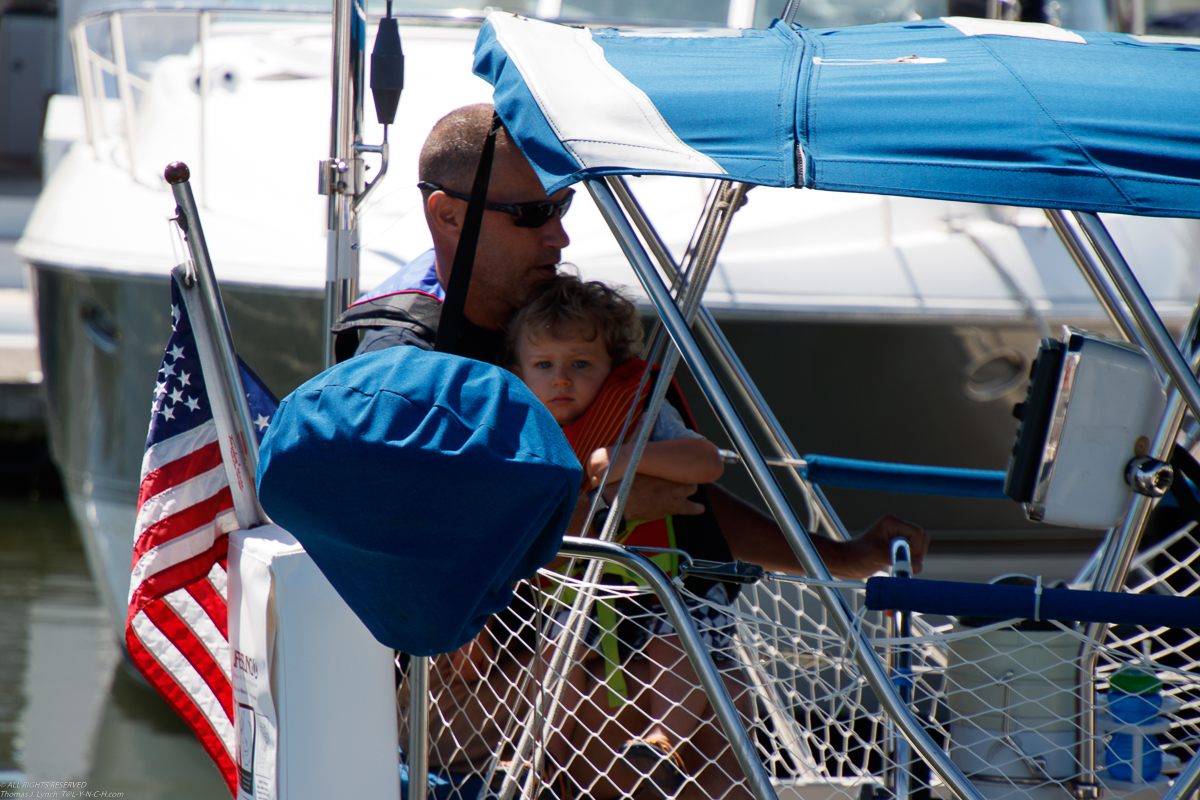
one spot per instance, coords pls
(445, 215)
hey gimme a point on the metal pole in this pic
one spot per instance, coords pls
(83, 77)
(902, 786)
(706, 671)
(1102, 266)
(1081, 252)
(202, 25)
(716, 225)
(873, 671)
(124, 90)
(1186, 782)
(1119, 547)
(789, 11)
(1160, 344)
(342, 173)
(223, 378)
(727, 359)
(418, 728)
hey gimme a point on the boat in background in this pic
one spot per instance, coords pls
(833, 300)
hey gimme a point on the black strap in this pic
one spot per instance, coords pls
(1185, 465)
(464, 254)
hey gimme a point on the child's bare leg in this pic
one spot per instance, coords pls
(708, 755)
(675, 701)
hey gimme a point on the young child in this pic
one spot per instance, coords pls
(574, 346)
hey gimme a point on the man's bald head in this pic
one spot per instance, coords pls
(450, 155)
(510, 261)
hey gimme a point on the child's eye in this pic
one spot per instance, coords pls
(542, 365)
(581, 364)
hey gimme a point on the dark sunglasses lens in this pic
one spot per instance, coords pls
(535, 215)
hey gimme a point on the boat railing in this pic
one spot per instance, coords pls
(105, 68)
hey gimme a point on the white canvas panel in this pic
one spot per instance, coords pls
(998, 27)
(567, 65)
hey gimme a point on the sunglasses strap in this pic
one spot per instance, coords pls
(464, 254)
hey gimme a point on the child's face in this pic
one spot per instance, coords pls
(565, 374)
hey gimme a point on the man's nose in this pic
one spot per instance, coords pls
(554, 234)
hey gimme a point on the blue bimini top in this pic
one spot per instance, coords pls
(955, 108)
(422, 485)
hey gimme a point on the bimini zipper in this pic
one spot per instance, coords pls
(864, 62)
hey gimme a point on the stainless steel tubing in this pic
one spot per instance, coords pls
(690, 295)
(83, 80)
(341, 270)
(203, 28)
(727, 359)
(1186, 782)
(1119, 547)
(868, 661)
(728, 362)
(418, 728)
(229, 392)
(710, 678)
(1074, 239)
(124, 90)
(1160, 344)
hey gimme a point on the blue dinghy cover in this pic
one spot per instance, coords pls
(422, 484)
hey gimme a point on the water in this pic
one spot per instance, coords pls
(69, 711)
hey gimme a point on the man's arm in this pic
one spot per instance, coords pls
(755, 537)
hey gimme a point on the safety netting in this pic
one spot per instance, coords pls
(1021, 707)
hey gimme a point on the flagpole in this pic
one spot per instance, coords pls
(214, 343)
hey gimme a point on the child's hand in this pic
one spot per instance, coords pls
(598, 463)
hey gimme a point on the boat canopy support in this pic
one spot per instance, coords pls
(1102, 265)
(874, 671)
(1115, 286)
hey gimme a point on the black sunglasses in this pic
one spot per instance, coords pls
(528, 215)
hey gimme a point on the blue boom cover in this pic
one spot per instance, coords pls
(423, 485)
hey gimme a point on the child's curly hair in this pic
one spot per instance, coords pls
(567, 306)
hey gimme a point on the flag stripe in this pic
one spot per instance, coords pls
(201, 625)
(206, 596)
(187, 519)
(178, 446)
(162, 613)
(177, 575)
(178, 498)
(184, 691)
(179, 471)
(218, 578)
(181, 551)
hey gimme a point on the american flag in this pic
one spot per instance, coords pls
(176, 631)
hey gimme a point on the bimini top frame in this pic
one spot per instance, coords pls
(1019, 114)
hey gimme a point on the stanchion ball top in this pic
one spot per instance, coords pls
(176, 172)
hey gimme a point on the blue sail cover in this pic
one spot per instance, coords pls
(958, 109)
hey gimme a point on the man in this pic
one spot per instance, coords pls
(512, 258)
(520, 245)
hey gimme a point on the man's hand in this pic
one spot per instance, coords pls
(755, 537)
(871, 552)
(655, 498)
(649, 498)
